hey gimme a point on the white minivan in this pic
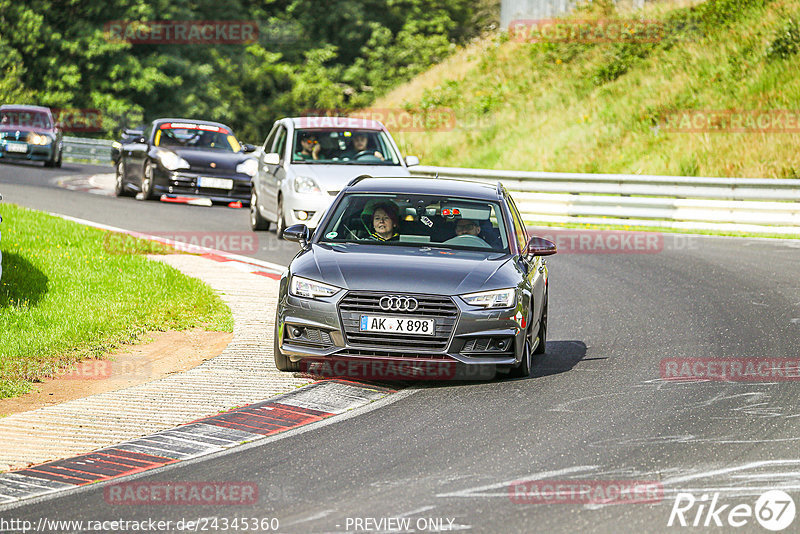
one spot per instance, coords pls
(306, 161)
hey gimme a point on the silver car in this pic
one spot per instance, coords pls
(306, 161)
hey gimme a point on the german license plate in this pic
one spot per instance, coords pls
(17, 147)
(397, 325)
(215, 183)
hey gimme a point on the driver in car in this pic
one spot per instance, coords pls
(385, 221)
(309, 147)
(360, 143)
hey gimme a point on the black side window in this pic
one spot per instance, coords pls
(270, 139)
(280, 143)
(519, 226)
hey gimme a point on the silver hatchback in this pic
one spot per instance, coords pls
(306, 161)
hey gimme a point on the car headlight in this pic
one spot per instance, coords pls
(171, 161)
(248, 167)
(306, 184)
(36, 139)
(500, 298)
(303, 287)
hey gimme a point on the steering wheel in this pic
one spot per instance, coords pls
(468, 240)
(364, 153)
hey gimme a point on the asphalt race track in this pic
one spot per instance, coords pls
(595, 409)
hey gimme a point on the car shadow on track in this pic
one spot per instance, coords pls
(561, 356)
(21, 282)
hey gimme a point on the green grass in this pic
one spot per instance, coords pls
(602, 107)
(66, 295)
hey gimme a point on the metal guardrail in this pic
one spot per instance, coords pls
(82, 149)
(737, 204)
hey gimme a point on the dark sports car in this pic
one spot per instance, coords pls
(186, 158)
(414, 278)
(29, 132)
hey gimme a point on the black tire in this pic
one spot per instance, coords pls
(257, 222)
(282, 362)
(542, 334)
(147, 183)
(119, 185)
(280, 226)
(60, 157)
(523, 370)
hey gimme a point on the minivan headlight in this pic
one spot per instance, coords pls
(306, 184)
(500, 298)
(303, 287)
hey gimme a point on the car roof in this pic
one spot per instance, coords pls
(25, 107)
(426, 186)
(194, 121)
(353, 123)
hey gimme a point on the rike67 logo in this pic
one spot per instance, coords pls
(773, 510)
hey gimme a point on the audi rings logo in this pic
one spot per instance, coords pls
(398, 303)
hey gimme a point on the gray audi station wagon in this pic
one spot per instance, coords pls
(414, 278)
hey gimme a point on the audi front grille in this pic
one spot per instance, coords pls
(442, 309)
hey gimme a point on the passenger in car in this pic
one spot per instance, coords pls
(385, 221)
(467, 226)
(360, 147)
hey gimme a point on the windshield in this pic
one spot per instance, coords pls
(13, 118)
(201, 136)
(343, 146)
(415, 220)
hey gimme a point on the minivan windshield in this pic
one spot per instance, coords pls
(343, 146)
(417, 220)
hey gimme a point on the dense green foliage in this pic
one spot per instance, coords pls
(308, 55)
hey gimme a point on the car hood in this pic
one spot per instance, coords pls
(408, 269)
(25, 130)
(201, 160)
(335, 177)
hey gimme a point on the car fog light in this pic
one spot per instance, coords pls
(301, 215)
(296, 332)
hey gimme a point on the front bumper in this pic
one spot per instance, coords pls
(321, 333)
(313, 205)
(185, 183)
(33, 152)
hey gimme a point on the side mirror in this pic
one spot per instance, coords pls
(273, 158)
(299, 233)
(539, 246)
(412, 160)
(248, 148)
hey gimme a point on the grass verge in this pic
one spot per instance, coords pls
(65, 295)
(605, 106)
